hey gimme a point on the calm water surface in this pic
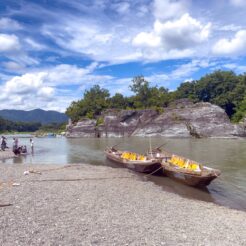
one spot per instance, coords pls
(228, 155)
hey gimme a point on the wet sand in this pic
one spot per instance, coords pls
(98, 205)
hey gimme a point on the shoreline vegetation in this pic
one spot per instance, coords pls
(222, 88)
(98, 205)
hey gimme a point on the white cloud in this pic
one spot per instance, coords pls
(166, 9)
(46, 92)
(14, 50)
(181, 73)
(23, 58)
(233, 46)
(13, 66)
(32, 44)
(145, 39)
(26, 84)
(178, 34)
(229, 28)
(187, 69)
(79, 37)
(4, 77)
(121, 7)
(159, 79)
(98, 42)
(9, 42)
(8, 24)
(26, 92)
(159, 29)
(235, 67)
(188, 80)
(61, 74)
(41, 89)
(173, 39)
(238, 3)
(142, 10)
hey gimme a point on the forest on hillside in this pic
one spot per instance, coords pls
(223, 88)
(36, 115)
(11, 126)
(17, 126)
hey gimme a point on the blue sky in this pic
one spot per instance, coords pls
(52, 51)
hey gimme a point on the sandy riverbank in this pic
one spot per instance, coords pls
(96, 205)
(6, 154)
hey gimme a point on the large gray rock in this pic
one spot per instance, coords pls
(181, 119)
(125, 122)
(199, 120)
(83, 128)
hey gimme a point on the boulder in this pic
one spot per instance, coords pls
(181, 119)
(83, 128)
(125, 122)
(198, 120)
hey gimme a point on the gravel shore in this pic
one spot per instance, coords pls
(98, 205)
(6, 154)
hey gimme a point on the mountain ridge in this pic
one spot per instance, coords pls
(35, 115)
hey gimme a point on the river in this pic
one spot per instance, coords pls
(228, 155)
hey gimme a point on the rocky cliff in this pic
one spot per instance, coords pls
(181, 119)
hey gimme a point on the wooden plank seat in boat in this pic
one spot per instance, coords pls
(188, 171)
(185, 165)
(132, 160)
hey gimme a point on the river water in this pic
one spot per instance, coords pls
(228, 155)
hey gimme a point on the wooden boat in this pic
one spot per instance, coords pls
(188, 171)
(159, 154)
(133, 161)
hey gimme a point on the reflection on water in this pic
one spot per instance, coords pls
(228, 155)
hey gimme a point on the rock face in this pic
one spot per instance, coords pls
(181, 119)
(85, 128)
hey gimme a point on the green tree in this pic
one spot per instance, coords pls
(130, 102)
(94, 102)
(217, 88)
(186, 90)
(8, 126)
(159, 97)
(118, 101)
(142, 90)
(240, 111)
(238, 94)
(75, 110)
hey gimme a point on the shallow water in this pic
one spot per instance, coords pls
(228, 155)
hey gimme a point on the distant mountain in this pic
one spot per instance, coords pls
(36, 115)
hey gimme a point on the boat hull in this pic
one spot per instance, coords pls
(138, 166)
(191, 179)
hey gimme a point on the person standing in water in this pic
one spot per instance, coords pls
(16, 148)
(3, 143)
(15, 144)
(32, 144)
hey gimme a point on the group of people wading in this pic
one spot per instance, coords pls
(16, 148)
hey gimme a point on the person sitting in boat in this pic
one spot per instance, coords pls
(20, 150)
(23, 149)
(17, 151)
